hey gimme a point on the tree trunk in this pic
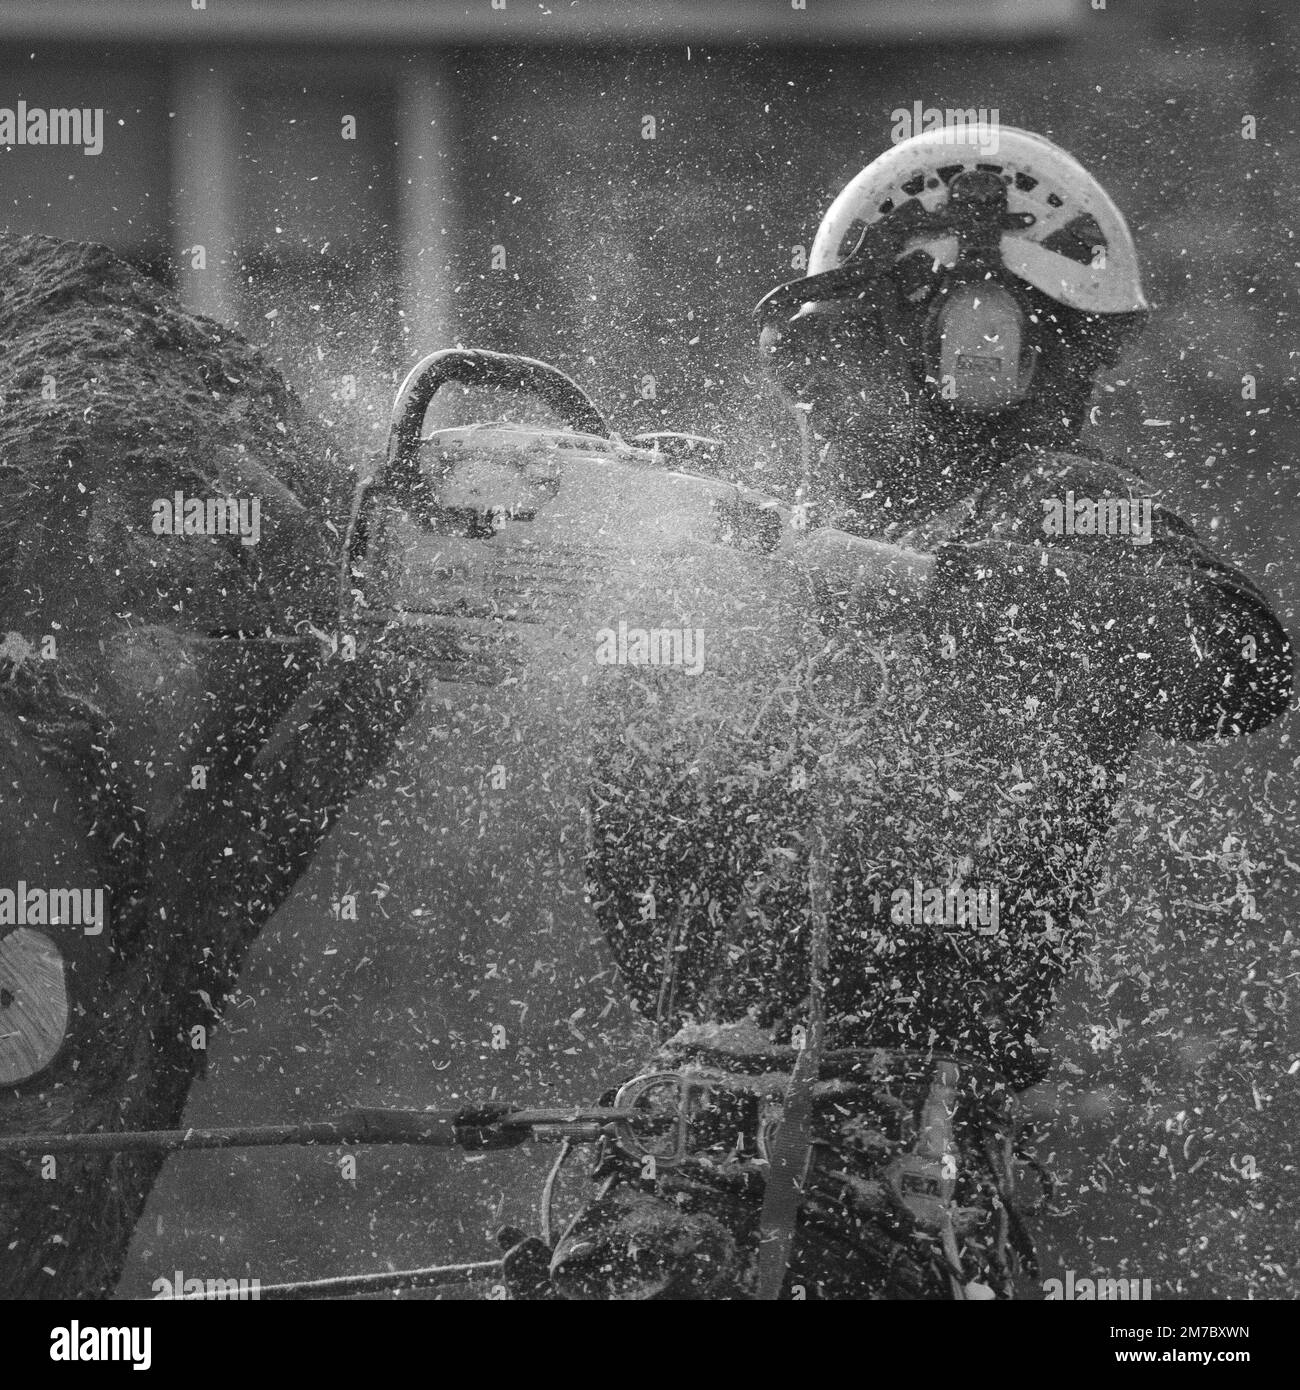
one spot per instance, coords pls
(142, 673)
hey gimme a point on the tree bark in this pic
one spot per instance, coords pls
(141, 676)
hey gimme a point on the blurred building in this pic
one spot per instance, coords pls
(352, 183)
(268, 158)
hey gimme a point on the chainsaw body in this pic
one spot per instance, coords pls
(549, 581)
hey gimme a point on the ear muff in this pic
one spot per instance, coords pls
(980, 353)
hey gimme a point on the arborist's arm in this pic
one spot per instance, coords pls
(880, 585)
(876, 584)
(1163, 633)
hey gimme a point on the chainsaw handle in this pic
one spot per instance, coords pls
(477, 367)
(400, 471)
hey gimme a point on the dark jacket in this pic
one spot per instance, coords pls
(990, 761)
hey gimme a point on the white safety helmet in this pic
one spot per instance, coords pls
(968, 225)
(1075, 246)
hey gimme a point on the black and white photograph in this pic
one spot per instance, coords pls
(646, 654)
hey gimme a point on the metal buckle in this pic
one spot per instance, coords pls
(685, 1115)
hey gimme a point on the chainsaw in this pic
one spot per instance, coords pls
(498, 553)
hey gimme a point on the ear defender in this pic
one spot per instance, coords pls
(979, 353)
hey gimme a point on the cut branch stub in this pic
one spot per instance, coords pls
(33, 1004)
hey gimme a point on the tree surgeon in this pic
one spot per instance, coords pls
(901, 868)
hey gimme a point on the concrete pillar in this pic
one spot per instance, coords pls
(205, 212)
(427, 222)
